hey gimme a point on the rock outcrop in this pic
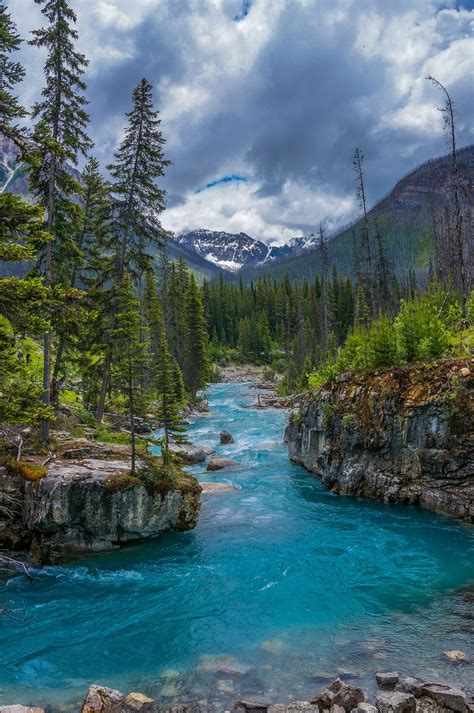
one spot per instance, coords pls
(404, 435)
(87, 502)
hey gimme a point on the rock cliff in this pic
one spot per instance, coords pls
(404, 435)
(87, 502)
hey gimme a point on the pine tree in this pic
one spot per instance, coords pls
(11, 73)
(178, 383)
(91, 266)
(137, 200)
(169, 404)
(131, 349)
(61, 136)
(196, 340)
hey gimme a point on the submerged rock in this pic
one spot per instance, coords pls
(220, 463)
(93, 505)
(403, 435)
(225, 438)
(218, 488)
(16, 708)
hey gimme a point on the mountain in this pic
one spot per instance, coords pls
(235, 251)
(405, 221)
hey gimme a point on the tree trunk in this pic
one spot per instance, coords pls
(103, 387)
(132, 414)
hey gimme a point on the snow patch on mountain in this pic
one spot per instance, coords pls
(233, 251)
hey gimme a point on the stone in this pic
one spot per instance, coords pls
(189, 454)
(223, 664)
(456, 656)
(136, 702)
(218, 488)
(100, 699)
(273, 646)
(387, 679)
(464, 372)
(293, 707)
(16, 708)
(396, 702)
(347, 696)
(444, 695)
(337, 709)
(364, 707)
(252, 705)
(220, 463)
(226, 438)
(410, 685)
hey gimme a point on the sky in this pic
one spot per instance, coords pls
(263, 102)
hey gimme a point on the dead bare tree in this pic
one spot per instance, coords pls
(357, 165)
(455, 228)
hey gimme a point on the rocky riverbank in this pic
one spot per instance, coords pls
(85, 501)
(395, 695)
(404, 435)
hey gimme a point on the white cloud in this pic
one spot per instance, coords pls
(237, 207)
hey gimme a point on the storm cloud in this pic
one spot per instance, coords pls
(275, 94)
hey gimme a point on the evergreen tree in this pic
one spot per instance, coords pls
(11, 73)
(60, 135)
(196, 340)
(90, 245)
(169, 404)
(137, 200)
(131, 349)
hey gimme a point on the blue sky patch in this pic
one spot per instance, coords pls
(218, 181)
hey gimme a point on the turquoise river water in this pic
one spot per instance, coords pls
(280, 586)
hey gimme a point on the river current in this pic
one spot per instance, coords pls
(281, 586)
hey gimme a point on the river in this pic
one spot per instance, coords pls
(280, 586)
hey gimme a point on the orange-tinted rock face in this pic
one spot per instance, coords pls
(401, 435)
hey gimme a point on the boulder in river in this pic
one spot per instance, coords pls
(226, 438)
(218, 488)
(220, 463)
(190, 454)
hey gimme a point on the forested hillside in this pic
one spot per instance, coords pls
(407, 219)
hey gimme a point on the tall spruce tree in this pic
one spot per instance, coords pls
(60, 134)
(136, 199)
(131, 348)
(11, 73)
(197, 365)
(169, 404)
(91, 265)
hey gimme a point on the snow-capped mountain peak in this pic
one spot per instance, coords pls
(234, 251)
